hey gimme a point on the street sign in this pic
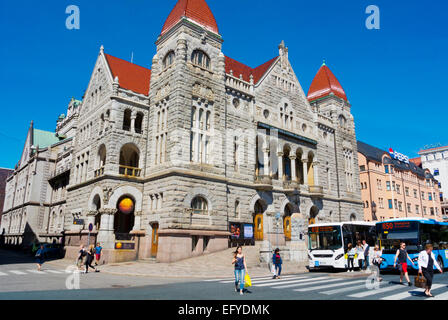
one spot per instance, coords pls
(78, 221)
(90, 227)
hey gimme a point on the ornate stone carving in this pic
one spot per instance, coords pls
(107, 193)
(201, 91)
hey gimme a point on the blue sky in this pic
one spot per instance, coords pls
(395, 77)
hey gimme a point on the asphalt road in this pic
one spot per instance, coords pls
(19, 280)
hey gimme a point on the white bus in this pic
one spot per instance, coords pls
(327, 242)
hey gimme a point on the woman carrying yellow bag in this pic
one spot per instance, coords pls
(240, 269)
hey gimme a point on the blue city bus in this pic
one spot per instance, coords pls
(416, 233)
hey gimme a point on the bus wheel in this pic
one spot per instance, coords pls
(440, 261)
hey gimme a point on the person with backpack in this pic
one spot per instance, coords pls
(89, 259)
(40, 257)
(277, 261)
(81, 254)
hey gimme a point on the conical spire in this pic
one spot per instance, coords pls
(195, 10)
(325, 84)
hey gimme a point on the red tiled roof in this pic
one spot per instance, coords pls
(417, 161)
(196, 10)
(130, 76)
(325, 83)
(239, 68)
(433, 149)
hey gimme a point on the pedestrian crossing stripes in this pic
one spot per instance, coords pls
(329, 285)
(17, 272)
(29, 272)
(343, 288)
(407, 293)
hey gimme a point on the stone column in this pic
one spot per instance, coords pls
(280, 165)
(137, 221)
(316, 173)
(91, 218)
(293, 168)
(106, 234)
(133, 117)
(266, 162)
(305, 171)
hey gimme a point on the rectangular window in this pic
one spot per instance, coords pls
(388, 185)
(396, 203)
(400, 206)
(429, 196)
(415, 193)
(407, 191)
(390, 203)
(386, 169)
(362, 168)
(424, 210)
(409, 207)
(398, 188)
(417, 209)
(432, 210)
(423, 195)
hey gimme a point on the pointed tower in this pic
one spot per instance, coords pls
(329, 100)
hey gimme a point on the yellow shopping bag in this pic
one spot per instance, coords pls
(247, 281)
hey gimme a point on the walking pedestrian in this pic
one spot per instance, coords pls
(426, 263)
(377, 260)
(89, 259)
(240, 268)
(366, 254)
(351, 252)
(402, 256)
(81, 254)
(277, 261)
(98, 250)
(360, 253)
(40, 257)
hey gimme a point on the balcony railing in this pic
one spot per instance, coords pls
(99, 172)
(290, 185)
(263, 182)
(130, 171)
(316, 190)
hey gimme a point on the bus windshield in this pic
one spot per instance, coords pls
(390, 234)
(325, 238)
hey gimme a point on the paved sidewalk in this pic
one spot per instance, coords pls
(214, 265)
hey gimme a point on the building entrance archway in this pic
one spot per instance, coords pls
(258, 221)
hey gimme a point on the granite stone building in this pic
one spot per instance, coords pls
(159, 161)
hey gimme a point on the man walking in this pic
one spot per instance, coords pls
(366, 254)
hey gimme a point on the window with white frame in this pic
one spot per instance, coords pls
(201, 132)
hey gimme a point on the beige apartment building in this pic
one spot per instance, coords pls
(394, 187)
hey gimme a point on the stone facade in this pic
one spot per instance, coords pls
(205, 146)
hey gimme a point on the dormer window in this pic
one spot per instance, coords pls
(201, 59)
(169, 59)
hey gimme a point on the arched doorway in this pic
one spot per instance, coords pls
(286, 163)
(314, 211)
(124, 217)
(310, 166)
(97, 206)
(287, 222)
(258, 220)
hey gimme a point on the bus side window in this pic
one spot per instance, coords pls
(443, 238)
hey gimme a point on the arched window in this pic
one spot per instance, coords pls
(129, 160)
(342, 121)
(127, 120)
(199, 205)
(139, 123)
(200, 58)
(237, 209)
(169, 59)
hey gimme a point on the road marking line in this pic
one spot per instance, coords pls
(3, 274)
(264, 279)
(352, 288)
(330, 285)
(407, 294)
(442, 296)
(308, 282)
(376, 291)
(53, 271)
(17, 272)
(289, 282)
(35, 271)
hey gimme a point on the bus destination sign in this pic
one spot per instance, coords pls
(399, 225)
(322, 229)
